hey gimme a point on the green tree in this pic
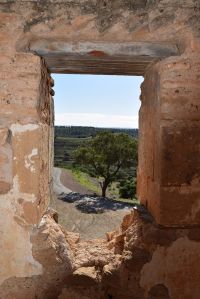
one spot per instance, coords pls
(105, 155)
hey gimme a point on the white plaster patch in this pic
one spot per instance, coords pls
(17, 258)
(18, 128)
(29, 163)
(15, 193)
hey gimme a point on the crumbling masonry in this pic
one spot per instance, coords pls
(156, 252)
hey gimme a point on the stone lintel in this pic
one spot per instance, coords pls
(101, 58)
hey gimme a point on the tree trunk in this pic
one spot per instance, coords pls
(104, 187)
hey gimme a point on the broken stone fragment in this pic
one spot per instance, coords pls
(52, 92)
(51, 82)
(85, 276)
(53, 214)
(72, 238)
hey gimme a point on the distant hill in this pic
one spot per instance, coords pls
(84, 132)
(68, 138)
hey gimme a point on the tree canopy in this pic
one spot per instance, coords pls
(106, 154)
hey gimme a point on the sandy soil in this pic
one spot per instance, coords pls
(89, 226)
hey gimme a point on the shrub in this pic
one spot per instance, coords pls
(127, 188)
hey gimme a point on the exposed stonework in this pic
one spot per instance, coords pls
(144, 248)
(169, 157)
(52, 252)
(146, 258)
(70, 265)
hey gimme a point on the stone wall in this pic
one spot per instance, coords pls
(148, 257)
(169, 162)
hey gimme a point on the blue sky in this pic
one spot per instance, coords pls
(95, 100)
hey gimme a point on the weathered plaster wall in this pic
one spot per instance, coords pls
(24, 152)
(169, 147)
(142, 260)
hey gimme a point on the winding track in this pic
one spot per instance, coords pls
(89, 226)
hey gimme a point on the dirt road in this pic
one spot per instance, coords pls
(89, 226)
(58, 186)
(68, 180)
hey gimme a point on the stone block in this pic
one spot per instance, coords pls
(180, 150)
(182, 204)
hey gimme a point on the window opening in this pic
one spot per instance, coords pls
(87, 106)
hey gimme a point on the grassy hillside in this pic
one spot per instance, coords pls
(67, 139)
(63, 150)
